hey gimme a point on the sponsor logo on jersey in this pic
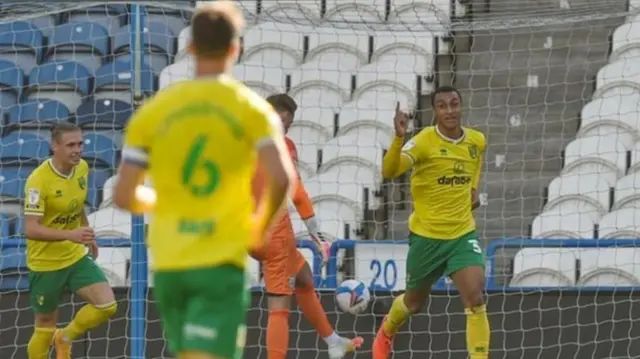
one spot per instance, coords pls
(66, 219)
(454, 180)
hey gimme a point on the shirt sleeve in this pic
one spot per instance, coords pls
(138, 136)
(481, 149)
(35, 198)
(413, 148)
(267, 127)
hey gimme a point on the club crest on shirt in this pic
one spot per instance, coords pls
(458, 168)
(34, 196)
(473, 151)
(82, 182)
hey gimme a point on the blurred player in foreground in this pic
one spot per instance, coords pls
(58, 235)
(286, 272)
(447, 162)
(201, 140)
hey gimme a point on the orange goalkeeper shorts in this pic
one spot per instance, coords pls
(281, 262)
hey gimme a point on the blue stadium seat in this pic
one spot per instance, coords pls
(5, 224)
(11, 83)
(45, 23)
(109, 16)
(175, 19)
(100, 151)
(18, 148)
(12, 181)
(37, 114)
(64, 81)
(13, 269)
(83, 42)
(105, 114)
(113, 80)
(157, 38)
(21, 43)
(97, 178)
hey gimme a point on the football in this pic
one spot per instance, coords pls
(352, 296)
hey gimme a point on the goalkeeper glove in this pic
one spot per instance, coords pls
(323, 246)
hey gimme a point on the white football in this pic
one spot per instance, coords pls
(352, 296)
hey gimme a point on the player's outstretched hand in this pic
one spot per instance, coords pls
(84, 235)
(400, 121)
(323, 247)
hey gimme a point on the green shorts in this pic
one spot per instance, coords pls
(203, 309)
(429, 259)
(46, 288)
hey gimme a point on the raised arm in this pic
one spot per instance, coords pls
(475, 200)
(395, 162)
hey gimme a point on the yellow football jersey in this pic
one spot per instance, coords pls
(59, 199)
(199, 140)
(444, 172)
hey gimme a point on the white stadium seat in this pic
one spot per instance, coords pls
(353, 148)
(329, 224)
(623, 73)
(413, 49)
(380, 133)
(560, 225)
(355, 11)
(626, 37)
(257, 73)
(111, 222)
(327, 38)
(107, 192)
(179, 71)
(183, 39)
(616, 114)
(609, 267)
(275, 35)
(590, 188)
(621, 223)
(435, 14)
(326, 77)
(314, 123)
(291, 10)
(544, 267)
(308, 155)
(597, 153)
(335, 59)
(355, 113)
(635, 158)
(627, 192)
(327, 186)
(115, 263)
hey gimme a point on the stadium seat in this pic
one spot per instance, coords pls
(64, 81)
(625, 38)
(339, 212)
(83, 42)
(560, 225)
(346, 180)
(12, 181)
(612, 115)
(100, 151)
(113, 80)
(292, 9)
(599, 154)
(313, 125)
(382, 77)
(109, 16)
(13, 269)
(11, 83)
(365, 150)
(115, 263)
(620, 74)
(589, 188)
(111, 223)
(414, 50)
(544, 267)
(23, 148)
(6, 223)
(95, 184)
(108, 114)
(21, 43)
(176, 20)
(158, 40)
(335, 60)
(435, 13)
(327, 39)
(355, 11)
(183, 40)
(45, 24)
(107, 192)
(257, 73)
(627, 192)
(610, 267)
(620, 223)
(181, 70)
(308, 155)
(37, 114)
(357, 113)
(274, 43)
(320, 83)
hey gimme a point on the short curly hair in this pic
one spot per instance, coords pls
(282, 101)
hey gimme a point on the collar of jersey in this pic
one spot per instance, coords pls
(55, 170)
(455, 142)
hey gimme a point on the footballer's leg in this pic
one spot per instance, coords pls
(312, 309)
(279, 277)
(88, 281)
(214, 315)
(425, 265)
(466, 269)
(45, 290)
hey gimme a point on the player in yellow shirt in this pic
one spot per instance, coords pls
(58, 234)
(447, 161)
(200, 141)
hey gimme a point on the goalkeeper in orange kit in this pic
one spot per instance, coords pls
(286, 272)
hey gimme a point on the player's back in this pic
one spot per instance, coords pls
(201, 160)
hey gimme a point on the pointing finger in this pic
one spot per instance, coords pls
(398, 106)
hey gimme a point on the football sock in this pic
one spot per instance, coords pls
(478, 332)
(278, 334)
(40, 342)
(312, 309)
(88, 317)
(398, 315)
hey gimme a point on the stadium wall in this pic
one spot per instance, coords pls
(524, 325)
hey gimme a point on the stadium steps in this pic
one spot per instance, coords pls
(527, 127)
